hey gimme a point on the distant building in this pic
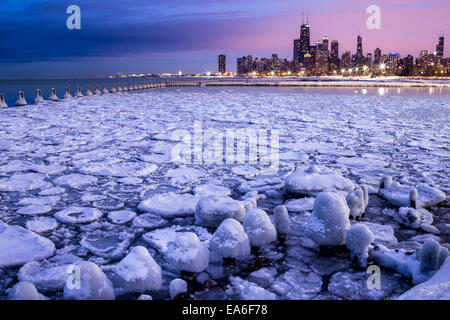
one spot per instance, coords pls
(321, 67)
(222, 64)
(346, 61)
(359, 49)
(440, 48)
(305, 41)
(377, 56)
(296, 50)
(334, 56)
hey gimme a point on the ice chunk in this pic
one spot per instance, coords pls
(75, 180)
(259, 228)
(297, 285)
(357, 201)
(42, 224)
(245, 171)
(230, 240)
(52, 191)
(127, 169)
(183, 175)
(417, 219)
(382, 233)
(330, 220)
(312, 181)
(138, 272)
(176, 287)
(34, 210)
(106, 244)
(211, 211)
(210, 189)
(398, 195)
(188, 253)
(75, 215)
(263, 277)
(93, 284)
(49, 275)
(24, 291)
(170, 204)
(245, 290)
(300, 205)
(121, 217)
(437, 288)
(24, 182)
(19, 246)
(359, 237)
(149, 221)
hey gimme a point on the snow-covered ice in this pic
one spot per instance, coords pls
(73, 190)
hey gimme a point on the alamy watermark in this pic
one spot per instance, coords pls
(374, 280)
(374, 20)
(73, 282)
(229, 146)
(73, 22)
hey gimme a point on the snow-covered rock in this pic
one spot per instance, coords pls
(230, 240)
(92, 284)
(188, 253)
(330, 220)
(359, 237)
(19, 246)
(259, 228)
(138, 272)
(24, 291)
(437, 288)
(312, 181)
(282, 220)
(211, 211)
(169, 205)
(76, 215)
(176, 287)
(417, 219)
(357, 201)
(399, 195)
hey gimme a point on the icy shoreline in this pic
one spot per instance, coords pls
(92, 179)
(387, 82)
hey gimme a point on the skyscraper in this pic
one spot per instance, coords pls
(321, 59)
(297, 50)
(359, 49)
(222, 64)
(304, 42)
(325, 42)
(334, 55)
(377, 56)
(346, 61)
(440, 48)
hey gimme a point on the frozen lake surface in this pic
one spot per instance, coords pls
(92, 178)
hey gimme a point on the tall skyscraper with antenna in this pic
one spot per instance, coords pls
(359, 49)
(305, 36)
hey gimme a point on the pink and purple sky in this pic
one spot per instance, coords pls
(149, 36)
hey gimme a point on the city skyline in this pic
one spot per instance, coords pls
(189, 35)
